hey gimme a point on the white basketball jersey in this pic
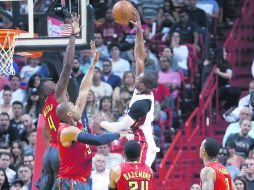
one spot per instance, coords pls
(150, 114)
(147, 127)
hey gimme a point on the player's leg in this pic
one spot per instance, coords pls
(57, 184)
(80, 186)
(150, 157)
(143, 154)
(45, 182)
(54, 162)
(68, 184)
(148, 154)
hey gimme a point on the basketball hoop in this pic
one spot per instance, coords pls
(7, 44)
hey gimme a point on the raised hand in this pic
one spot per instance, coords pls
(136, 19)
(75, 24)
(93, 48)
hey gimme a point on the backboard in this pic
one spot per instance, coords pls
(46, 23)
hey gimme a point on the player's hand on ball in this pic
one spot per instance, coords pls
(135, 16)
(136, 20)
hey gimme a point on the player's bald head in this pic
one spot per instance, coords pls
(62, 109)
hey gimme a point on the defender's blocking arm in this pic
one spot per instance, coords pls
(86, 81)
(62, 84)
(70, 134)
(136, 111)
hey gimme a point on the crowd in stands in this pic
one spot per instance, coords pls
(177, 52)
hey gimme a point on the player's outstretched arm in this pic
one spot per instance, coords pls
(139, 49)
(124, 124)
(136, 111)
(87, 81)
(62, 84)
(114, 176)
(70, 134)
(207, 176)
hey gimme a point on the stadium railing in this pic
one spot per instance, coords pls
(168, 163)
(181, 161)
(208, 95)
(240, 39)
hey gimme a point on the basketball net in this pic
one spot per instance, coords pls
(7, 45)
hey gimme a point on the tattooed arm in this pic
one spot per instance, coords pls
(208, 178)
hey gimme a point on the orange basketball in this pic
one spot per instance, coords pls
(122, 12)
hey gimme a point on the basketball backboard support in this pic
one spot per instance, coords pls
(46, 23)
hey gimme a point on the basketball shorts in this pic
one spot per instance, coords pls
(50, 169)
(148, 153)
(69, 184)
(150, 157)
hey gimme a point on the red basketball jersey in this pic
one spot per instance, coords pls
(51, 119)
(223, 179)
(76, 160)
(135, 176)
